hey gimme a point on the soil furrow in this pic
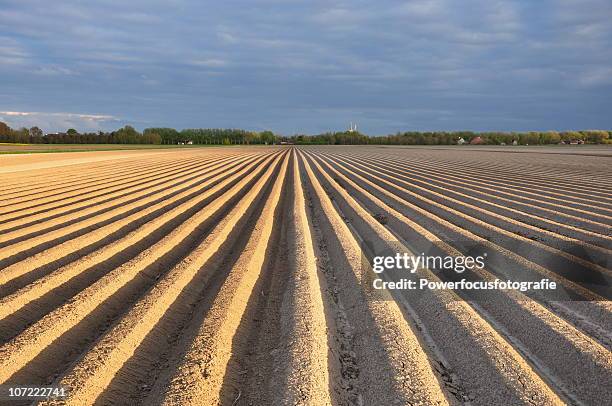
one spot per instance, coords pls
(244, 276)
(522, 318)
(478, 353)
(19, 351)
(92, 375)
(62, 232)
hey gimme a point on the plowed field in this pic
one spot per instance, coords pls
(234, 276)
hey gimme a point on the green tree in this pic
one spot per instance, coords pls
(5, 132)
(36, 132)
(167, 135)
(596, 136)
(127, 135)
(571, 135)
(267, 137)
(550, 137)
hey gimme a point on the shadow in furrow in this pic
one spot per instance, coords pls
(49, 364)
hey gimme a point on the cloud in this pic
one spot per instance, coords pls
(254, 63)
(210, 62)
(596, 76)
(56, 121)
(11, 52)
(51, 70)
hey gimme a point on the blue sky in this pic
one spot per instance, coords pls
(307, 66)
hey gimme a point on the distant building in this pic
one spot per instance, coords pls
(352, 128)
(477, 141)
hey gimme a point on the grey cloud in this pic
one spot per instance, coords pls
(50, 121)
(312, 65)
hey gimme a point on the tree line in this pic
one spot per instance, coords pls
(455, 137)
(212, 136)
(34, 135)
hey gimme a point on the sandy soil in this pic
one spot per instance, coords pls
(234, 276)
(26, 162)
(42, 148)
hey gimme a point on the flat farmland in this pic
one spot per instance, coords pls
(234, 276)
(8, 148)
